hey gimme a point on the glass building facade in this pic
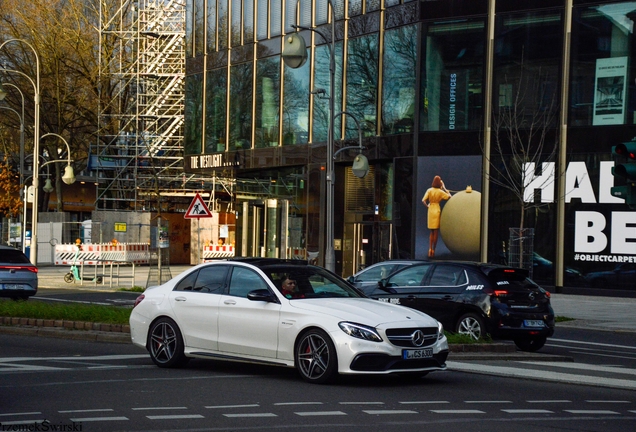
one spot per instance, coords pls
(515, 105)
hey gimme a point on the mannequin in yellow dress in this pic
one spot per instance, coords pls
(433, 196)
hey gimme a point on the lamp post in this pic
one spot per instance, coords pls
(68, 178)
(36, 143)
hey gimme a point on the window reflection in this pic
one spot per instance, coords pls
(398, 87)
(602, 90)
(362, 84)
(296, 105)
(193, 114)
(240, 106)
(267, 102)
(321, 101)
(451, 96)
(215, 100)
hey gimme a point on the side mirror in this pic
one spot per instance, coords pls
(383, 284)
(261, 295)
(350, 279)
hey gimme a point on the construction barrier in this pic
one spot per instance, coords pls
(99, 253)
(217, 252)
(297, 253)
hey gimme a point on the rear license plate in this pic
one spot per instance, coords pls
(13, 287)
(533, 323)
(417, 354)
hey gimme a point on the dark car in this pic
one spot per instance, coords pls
(18, 277)
(623, 276)
(475, 299)
(367, 279)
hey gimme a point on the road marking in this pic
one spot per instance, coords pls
(608, 401)
(297, 403)
(159, 408)
(423, 402)
(591, 412)
(174, 417)
(584, 366)
(232, 406)
(505, 371)
(488, 402)
(361, 403)
(614, 356)
(527, 411)
(85, 411)
(74, 358)
(459, 411)
(22, 413)
(250, 415)
(91, 419)
(8, 367)
(319, 413)
(549, 401)
(22, 422)
(592, 343)
(382, 412)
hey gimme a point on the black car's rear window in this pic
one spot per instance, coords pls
(510, 278)
(13, 257)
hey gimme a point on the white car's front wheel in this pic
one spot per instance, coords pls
(315, 357)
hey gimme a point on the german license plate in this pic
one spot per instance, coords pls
(417, 354)
(533, 323)
(13, 287)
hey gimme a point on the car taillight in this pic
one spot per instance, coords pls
(500, 293)
(14, 267)
(139, 299)
(547, 294)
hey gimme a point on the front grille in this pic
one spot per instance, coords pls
(404, 337)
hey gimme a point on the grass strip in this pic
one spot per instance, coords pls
(65, 311)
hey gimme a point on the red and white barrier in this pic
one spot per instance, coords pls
(297, 253)
(100, 253)
(216, 252)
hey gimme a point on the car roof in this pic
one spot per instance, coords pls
(265, 262)
(485, 268)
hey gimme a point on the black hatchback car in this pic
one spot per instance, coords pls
(474, 299)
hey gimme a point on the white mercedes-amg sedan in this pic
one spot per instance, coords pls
(286, 313)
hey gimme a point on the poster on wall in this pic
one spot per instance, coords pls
(600, 236)
(448, 224)
(610, 91)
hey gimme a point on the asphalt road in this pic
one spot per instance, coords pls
(115, 387)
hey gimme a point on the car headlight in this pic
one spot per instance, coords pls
(440, 331)
(360, 331)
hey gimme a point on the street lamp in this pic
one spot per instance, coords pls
(36, 142)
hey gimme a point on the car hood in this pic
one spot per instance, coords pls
(366, 311)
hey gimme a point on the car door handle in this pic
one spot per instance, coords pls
(447, 297)
(230, 302)
(179, 298)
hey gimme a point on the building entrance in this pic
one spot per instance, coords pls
(366, 243)
(267, 229)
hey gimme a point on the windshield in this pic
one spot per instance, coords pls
(308, 282)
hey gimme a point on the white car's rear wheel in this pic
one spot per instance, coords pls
(316, 358)
(165, 344)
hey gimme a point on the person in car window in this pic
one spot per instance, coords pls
(433, 196)
(289, 288)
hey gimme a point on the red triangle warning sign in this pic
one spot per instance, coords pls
(197, 209)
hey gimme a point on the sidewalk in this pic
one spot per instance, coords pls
(594, 312)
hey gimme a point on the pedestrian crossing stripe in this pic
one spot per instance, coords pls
(197, 209)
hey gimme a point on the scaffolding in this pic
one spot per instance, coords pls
(139, 149)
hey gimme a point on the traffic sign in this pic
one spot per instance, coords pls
(197, 209)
